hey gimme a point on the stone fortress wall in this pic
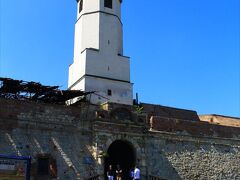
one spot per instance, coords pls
(169, 143)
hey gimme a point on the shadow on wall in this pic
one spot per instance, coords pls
(72, 158)
(166, 171)
(159, 166)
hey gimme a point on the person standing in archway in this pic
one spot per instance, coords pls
(110, 173)
(119, 173)
(136, 173)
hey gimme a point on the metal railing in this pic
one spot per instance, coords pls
(97, 177)
(151, 177)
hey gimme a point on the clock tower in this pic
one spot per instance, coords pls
(99, 64)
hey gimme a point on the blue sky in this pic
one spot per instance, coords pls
(184, 53)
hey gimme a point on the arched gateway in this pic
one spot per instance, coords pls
(122, 153)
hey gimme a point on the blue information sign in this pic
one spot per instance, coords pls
(14, 167)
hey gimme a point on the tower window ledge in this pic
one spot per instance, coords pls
(123, 56)
(93, 49)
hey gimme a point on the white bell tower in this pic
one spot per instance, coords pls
(99, 64)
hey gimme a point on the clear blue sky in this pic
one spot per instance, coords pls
(184, 53)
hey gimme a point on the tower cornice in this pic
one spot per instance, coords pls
(79, 0)
(100, 12)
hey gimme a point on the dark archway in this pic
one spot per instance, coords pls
(122, 153)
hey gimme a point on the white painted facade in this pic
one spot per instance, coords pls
(98, 63)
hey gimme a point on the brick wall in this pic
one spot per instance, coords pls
(172, 149)
(193, 128)
(221, 120)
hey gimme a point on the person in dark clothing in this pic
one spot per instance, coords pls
(119, 173)
(110, 173)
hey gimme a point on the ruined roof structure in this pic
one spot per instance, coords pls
(76, 134)
(33, 91)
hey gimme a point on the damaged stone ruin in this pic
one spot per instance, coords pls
(80, 141)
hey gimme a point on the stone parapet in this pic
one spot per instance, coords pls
(203, 129)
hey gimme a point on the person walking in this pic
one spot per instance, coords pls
(136, 173)
(119, 173)
(110, 173)
(132, 174)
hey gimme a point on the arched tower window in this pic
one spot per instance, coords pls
(108, 3)
(80, 5)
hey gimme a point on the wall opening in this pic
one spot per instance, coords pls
(121, 153)
(46, 166)
(108, 3)
(80, 5)
(109, 92)
(43, 165)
